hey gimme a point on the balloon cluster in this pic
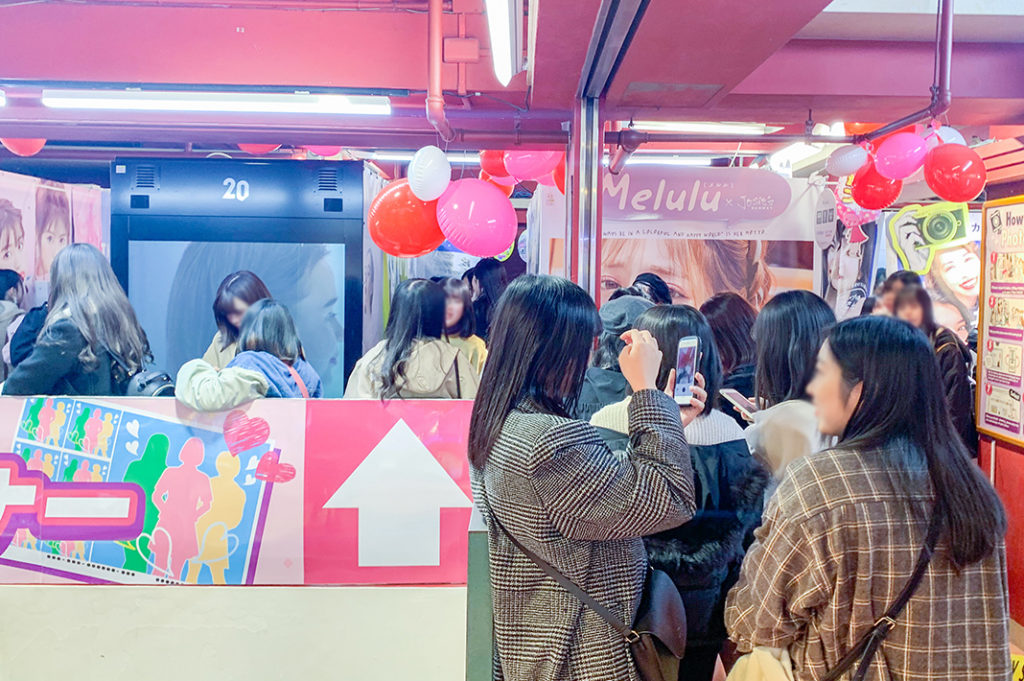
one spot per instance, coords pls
(952, 170)
(415, 215)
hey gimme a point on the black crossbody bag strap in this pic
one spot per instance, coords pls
(571, 586)
(868, 645)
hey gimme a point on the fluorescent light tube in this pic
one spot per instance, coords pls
(665, 160)
(703, 127)
(505, 27)
(3, 98)
(220, 102)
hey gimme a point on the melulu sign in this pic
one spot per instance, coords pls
(727, 194)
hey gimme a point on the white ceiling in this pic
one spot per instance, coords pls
(987, 21)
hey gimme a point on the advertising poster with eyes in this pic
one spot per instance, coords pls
(1001, 337)
(711, 230)
(40, 217)
(941, 243)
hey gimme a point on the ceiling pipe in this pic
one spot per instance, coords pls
(308, 5)
(435, 99)
(628, 140)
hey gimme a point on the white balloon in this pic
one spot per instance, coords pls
(430, 173)
(951, 135)
(846, 160)
(523, 245)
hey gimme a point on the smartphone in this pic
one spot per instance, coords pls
(739, 401)
(687, 356)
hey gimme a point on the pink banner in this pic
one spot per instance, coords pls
(281, 492)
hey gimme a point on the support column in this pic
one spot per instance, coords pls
(583, 237)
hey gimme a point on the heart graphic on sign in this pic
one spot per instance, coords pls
(133, 428)
(243, 433)
(133, 447)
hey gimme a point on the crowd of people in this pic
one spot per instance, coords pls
(788, 527)
(790, 531)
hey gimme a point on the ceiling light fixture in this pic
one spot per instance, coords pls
(505, 27)
(703, 127)
(3, 98)
(665, 160)
(219, 102)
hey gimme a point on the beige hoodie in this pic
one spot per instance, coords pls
(429, 374)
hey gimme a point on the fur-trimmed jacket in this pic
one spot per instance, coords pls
(703, 556)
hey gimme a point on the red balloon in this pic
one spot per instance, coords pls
(402, 225)
(872, 191)
(954, 172)
(559, 175)
(505, 189)
(258, 149)
(23, 147)
(493, 163)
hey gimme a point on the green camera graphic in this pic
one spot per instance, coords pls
(917, 232)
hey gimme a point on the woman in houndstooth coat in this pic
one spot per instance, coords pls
(552, 482)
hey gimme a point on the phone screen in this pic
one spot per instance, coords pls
(686, 368)
(739, 401)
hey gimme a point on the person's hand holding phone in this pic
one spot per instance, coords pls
(697, 401)
(640, 360)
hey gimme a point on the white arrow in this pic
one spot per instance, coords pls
(399, 490)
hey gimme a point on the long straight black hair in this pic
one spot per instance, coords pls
(490, 275)
(457, 288)
(668, 324)
(417, 311)
(902, 413)
(268, 327)
(540, 342)
(242, 285)
(788, 333)
(732, 321)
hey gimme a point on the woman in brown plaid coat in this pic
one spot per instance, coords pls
(552, 482)
(843, 531)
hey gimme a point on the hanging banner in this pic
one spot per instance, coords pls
(709, 230)
(143, 491)
(1001, 330)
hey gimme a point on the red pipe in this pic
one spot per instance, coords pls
(435, 99)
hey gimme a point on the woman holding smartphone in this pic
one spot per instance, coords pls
(789, 330)
(552, 483)
(702, 556)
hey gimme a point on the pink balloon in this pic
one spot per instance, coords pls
(323, 150)
(505, 181)
(531, 164)
(476, 217)
(899, 156)
(548, 180)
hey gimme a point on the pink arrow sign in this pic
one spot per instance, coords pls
(66, 510)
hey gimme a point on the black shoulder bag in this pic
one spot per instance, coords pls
(657, 638)
(868, 645)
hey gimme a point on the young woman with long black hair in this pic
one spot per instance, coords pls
(91, 342)
(489, 282)
(702, 556)
(551, 482)
(788, 332)
(414, 361)
(460, 322)
(732, 322)
(914, 305)
(845, 528)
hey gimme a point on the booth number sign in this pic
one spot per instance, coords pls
(235, 190)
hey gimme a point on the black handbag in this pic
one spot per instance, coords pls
(657, 638)
(868, 645)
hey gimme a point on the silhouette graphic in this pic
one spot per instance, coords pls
(145, 472)
(48, 466)
(103, 439)
(46, 416)
(97, 474)
(183, 495)
(213, 528)
(78, 433)
(69, 473)
(59, 419)
(92, 432)
(31, 424)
